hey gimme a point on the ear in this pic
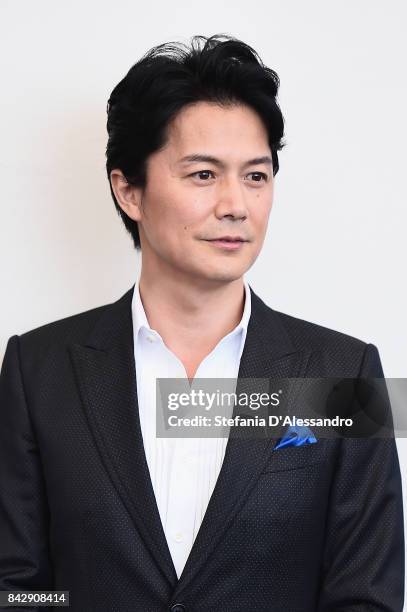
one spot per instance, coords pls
(127, 196)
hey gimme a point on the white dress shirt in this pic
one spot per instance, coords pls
(183, 471)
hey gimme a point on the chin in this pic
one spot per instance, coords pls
(209, 269)
(223, 276)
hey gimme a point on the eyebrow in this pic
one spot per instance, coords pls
(200, 157)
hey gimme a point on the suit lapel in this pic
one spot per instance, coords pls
(105, 371)
(106, 376)
(268, 353)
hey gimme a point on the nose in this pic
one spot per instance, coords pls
(231, 199)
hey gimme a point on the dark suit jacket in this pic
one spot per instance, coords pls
(315, 527)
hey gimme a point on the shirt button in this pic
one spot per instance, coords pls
(151, 338)
(178, 537)
(178, 608)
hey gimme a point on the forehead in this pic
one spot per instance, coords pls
(208, 123)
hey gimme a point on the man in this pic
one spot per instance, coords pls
(91, 500)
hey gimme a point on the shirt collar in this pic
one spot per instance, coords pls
(140, 318)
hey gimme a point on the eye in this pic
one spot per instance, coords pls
(202, 172)
(259, 176)
(205, 175)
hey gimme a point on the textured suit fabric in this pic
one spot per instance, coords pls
(311, 528)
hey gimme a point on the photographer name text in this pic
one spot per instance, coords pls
(271, 420)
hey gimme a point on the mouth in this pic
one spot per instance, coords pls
(229, 243)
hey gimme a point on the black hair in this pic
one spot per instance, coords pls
(219, 68)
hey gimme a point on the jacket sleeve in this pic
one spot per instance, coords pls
(363, 565)
(24, 557)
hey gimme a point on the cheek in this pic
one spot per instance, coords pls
(170, 223)
(185, 218)
(260, 213)
(173, 205)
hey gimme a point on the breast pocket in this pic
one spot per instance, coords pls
(296, 457)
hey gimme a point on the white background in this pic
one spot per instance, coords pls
(336, 248)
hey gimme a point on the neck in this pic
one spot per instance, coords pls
(191, 316)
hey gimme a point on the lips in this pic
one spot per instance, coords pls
(228, 239)
(227, 243)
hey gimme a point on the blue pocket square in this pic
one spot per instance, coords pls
(296, 435)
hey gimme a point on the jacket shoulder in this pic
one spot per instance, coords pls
(334, 353)
(73, 328)
(306, 333)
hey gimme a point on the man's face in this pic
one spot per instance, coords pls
(188, 206)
